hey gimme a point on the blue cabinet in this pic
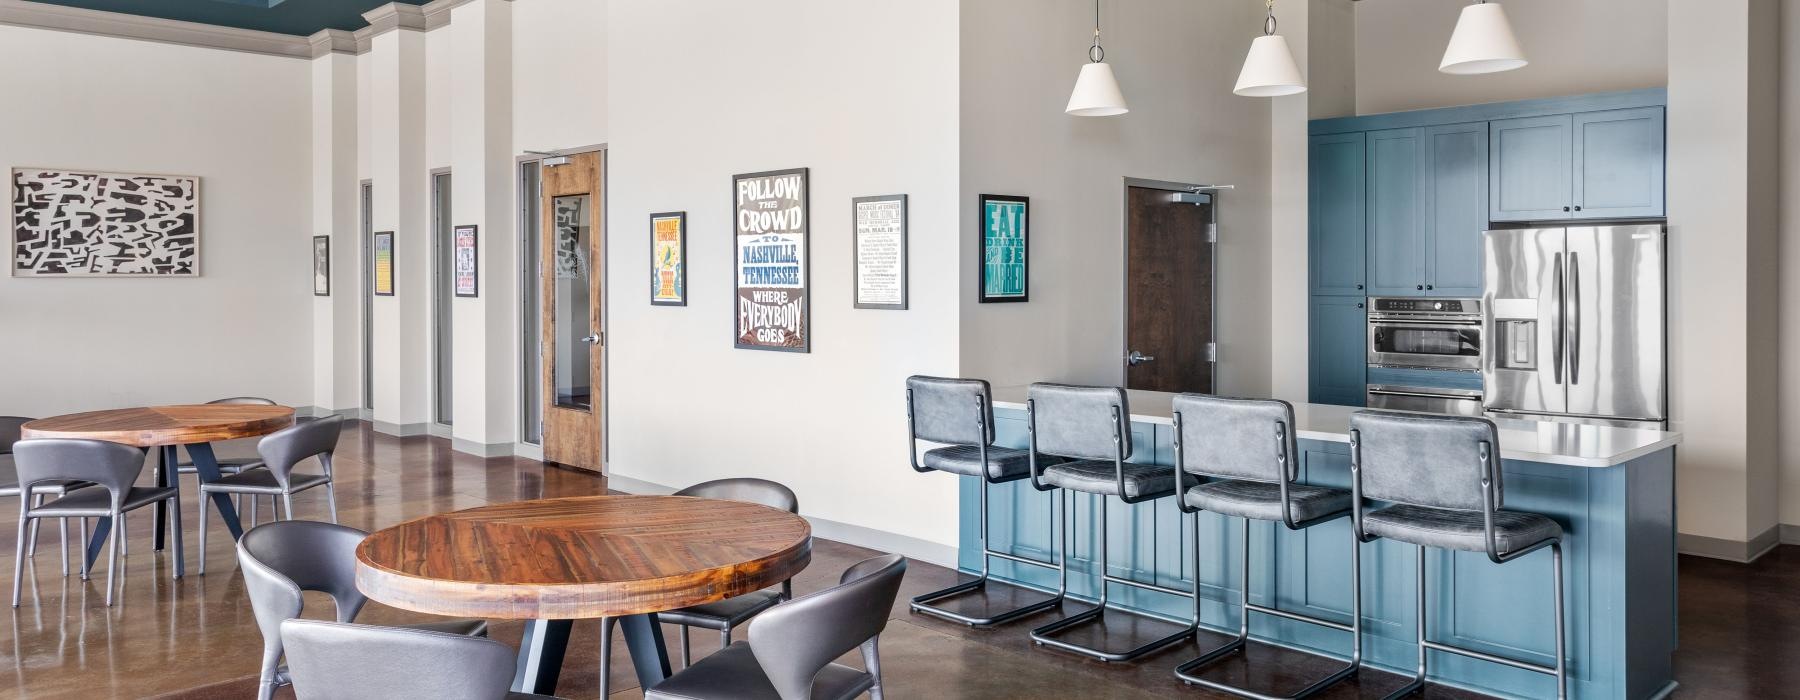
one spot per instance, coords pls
(1529, 168)
(1618, 169)
(1456, 189)
(1335, 224)
(1396, 213)
(1336, 357)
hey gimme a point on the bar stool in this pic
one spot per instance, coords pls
(1246, 448)
(960, 414)
(1087, 424)
(1442, 477)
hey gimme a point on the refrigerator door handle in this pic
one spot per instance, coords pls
(1559, 327)
(1574, 319)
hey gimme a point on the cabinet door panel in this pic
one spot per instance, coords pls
(1337, 360)
(1619, 163)
(1529, 168)
(1456, 189)
(1335, 204)
(1396, 207)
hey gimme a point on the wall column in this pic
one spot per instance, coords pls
(336, 333)
(485, 367)
(402, 322)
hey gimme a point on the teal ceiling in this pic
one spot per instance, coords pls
(299, 17)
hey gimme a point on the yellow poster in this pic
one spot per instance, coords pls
(668, 259)
(384, 264)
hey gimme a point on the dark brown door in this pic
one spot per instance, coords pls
(573, 351)
(1168, 292)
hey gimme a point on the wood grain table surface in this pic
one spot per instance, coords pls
(153, 426)
(585, 557)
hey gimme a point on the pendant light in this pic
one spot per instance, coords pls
(1096, 91)
(1483, 42)
(1269, 69)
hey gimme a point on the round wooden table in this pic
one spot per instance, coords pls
(556, 560)
(167, 427)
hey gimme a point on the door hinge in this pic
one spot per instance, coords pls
(1212, 233)
(1212, 352)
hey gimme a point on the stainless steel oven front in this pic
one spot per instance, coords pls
(1415, 332)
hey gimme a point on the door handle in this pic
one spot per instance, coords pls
(1560, 327)
(1574, 319)
(1137, 358)
(593, 339)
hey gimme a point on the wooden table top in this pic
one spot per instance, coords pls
(585, 557)
(152, 426)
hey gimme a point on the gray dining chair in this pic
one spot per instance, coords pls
(337, 660)
(229, 465)
(724, 615)
(282, 559)
(281, 451)
(792, 645)
(10, 427)
(111, 468)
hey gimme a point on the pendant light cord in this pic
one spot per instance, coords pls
(1095, 53)
(1269, 24)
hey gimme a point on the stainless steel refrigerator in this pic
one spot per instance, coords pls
(1574, 324)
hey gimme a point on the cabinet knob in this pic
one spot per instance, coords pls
(1429, 287)
(1420, 287)
(1565, 208)
(1359, 286)
(1359, 304)
(1577, 207)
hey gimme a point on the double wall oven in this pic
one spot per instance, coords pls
(1425, 354)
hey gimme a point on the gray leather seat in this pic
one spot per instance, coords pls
(1004, 463)
(282, 451)
(1142, 481)
(337, 660)
(1260, 500)
(280, 560)
(724, 615)
(111, 468)
(792, 646)
(1460, 529)
(10, 427)
(1445, 483)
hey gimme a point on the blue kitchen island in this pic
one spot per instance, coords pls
(1612, 489)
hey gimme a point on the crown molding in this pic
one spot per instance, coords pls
(330, 41)
(20, 13)
(392, 16)
(437, 12)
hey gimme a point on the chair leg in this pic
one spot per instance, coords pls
(685, 654)
(204, 497)
(37, 501)
(1556, 567)
(606, 633)
(725, 638)
(871, 654)
(253, 500)
(62, 533)
(19, 558)
(287, 504)
(175, 534)
(1418, 682)
(82, 548)
(112, 554)
(331, 501)
(124, 542)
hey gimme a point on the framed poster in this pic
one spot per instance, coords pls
(68, 223)
(463, 251)
(1005, 232)
(384, 263)
(878, 225)
(668, 258)
(321, 259)
(769, 210)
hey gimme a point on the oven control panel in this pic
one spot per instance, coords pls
(1431, 306)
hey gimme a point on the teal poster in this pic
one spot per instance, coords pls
(1003, 248)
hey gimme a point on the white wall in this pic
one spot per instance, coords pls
(1575, 47)
(241, 123)
(1330, 61)
(1789, 256)
(559, 70)
(865, 95)
(1176, 63)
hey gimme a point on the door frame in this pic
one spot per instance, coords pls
(440, 304)
(365, 193)
(530, 273)
(1210, 191)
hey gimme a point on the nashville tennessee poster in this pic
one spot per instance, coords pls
(770, 211)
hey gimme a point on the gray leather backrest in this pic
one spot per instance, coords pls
(110, 465)
(9, 431)
(334, 661)
(794, 640)
(952, 411)
(1237, 438)
(1077, 421)
(284, 448)
(243, 401)
(308, 555)
(1425, 460)
(747, 489)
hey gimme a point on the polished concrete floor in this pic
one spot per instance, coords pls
(195, 638)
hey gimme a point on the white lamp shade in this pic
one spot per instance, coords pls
(1269, 70)
(1096, 93)
(1482, 43)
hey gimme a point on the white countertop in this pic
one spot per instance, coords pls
(1550, 442)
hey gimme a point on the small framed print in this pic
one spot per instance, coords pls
(668, 258)
(321, 259)
(463, 251)
(384, 263)
(1005, 232)
(879, 268)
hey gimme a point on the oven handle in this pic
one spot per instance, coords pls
(1458, 394)
(1376, 321)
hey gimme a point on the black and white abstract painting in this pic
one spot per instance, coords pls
(83, 224)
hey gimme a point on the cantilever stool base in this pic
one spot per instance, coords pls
(1045, 636)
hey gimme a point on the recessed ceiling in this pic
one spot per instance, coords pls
(297, 17)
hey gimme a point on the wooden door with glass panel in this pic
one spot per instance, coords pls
(571, 275)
